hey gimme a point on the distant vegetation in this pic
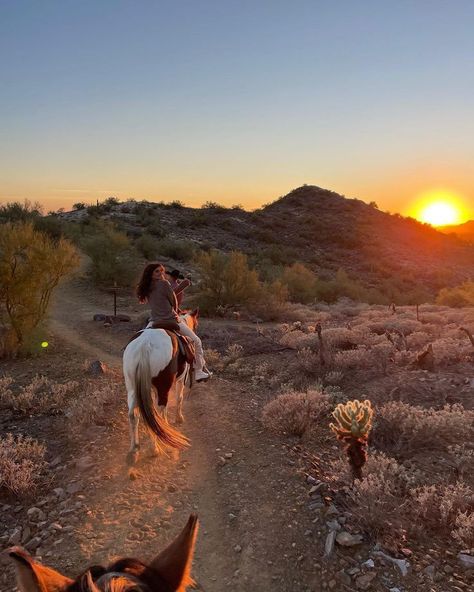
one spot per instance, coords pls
(309, 246)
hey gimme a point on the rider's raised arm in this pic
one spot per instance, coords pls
(182, 286)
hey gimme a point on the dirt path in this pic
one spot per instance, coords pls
(234, 476)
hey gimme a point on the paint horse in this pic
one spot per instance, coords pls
(170, 571)
(154, 359)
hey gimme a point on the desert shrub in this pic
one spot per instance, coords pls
(402, 429)
(308, 362)
(442, 506)
(271, 301)
(463, 531)
(301, 283)
(227, 280)
(94, 405)
(233, 352)
(22, 463)
(182, 250)
(457, 297)
(213, 358)
(418, 340)
(212, 205)
(20, 212)
(300, 340)
(80, 205)
(146, 245)
(448, 350)
(196, 219)
(462, 458)
(156, 229)
(41, 396)
(176, 204)
(333, 377)
(294, 413)
(31, 266)
(111, 253)
(353, 359)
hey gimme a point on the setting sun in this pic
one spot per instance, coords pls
(440, 208)
(440, 213)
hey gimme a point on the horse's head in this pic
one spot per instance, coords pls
(191, 318)
(168, 572)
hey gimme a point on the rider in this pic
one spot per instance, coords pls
(154, 289)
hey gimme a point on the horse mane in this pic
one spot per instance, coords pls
(124, 575)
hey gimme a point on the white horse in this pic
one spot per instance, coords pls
(153, 359)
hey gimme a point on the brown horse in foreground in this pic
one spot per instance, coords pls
(168, 572)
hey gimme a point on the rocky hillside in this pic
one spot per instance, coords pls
(464, 231)
(321, 228)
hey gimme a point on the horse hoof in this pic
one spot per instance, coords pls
(132, 458)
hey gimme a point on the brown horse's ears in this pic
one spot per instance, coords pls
(195, 312)
(34, 577)
(174, 563)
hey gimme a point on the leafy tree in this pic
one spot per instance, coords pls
(112, 256)
(31, 266)
(301, 283)
(227, 280)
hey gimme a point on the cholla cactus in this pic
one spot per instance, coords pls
(353, 424)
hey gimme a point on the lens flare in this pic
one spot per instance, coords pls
(44, 344)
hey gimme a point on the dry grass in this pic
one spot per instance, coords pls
(294, 413)
(22, 463)
(403, 429)
(41, 396)
(95, 404)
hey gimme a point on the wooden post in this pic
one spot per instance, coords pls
(115, 299)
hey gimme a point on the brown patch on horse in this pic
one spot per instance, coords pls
(165, 380)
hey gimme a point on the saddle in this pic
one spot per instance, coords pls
(186, 347)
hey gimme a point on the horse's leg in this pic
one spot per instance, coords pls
(179, 400)
(133, 419)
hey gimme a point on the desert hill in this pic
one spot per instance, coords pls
(464, 231)
(322, 229)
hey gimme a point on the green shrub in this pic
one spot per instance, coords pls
(457, 297)
(112, 257)
(31, 266)
(227, 280)
(182, 250)
(147, 246)
(301, 283)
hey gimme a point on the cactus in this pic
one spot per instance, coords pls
(353, 421)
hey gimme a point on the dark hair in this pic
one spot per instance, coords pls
(144, 285)
(175, 273)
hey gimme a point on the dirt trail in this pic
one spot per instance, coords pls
(234, 476)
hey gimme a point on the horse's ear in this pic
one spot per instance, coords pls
(174, 563)
(34, 577)
(195, 313)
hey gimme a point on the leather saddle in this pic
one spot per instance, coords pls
(186, 347)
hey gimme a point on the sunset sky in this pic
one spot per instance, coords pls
(237, 101)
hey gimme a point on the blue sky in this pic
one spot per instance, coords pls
(236, 102)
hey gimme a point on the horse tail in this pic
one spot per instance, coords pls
(162, 433)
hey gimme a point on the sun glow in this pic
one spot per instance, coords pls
(440, 208)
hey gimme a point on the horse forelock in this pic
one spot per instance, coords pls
(124, 575)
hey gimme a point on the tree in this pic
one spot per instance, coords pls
(227, 280)
(301, 283)
(31, 266)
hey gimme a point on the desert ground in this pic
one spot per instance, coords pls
(270, 502)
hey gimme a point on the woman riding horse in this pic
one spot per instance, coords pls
(154, 289)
